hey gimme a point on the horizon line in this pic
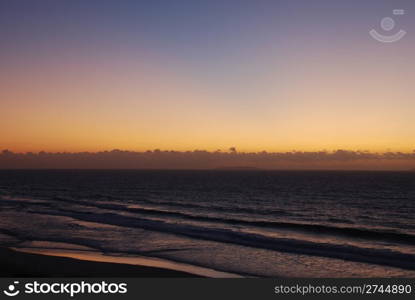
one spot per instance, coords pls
(231, 150)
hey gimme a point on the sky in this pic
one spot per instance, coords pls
(182, 75)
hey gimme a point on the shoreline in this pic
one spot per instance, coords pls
(31, 262)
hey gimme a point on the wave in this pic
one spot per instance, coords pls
(346, 252)
(351, 232)
(210, 206)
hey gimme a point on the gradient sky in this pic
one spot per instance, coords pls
(257, 75)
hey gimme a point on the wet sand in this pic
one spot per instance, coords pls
(20, 264)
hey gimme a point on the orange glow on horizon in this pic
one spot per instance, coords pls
(319, 102)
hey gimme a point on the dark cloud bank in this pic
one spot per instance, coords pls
(117, 159)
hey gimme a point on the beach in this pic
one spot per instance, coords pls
(20, 264)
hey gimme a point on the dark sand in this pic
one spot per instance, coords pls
(19, 264)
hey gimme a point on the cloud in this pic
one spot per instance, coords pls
(201, 159)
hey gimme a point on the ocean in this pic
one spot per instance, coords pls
(250, 223)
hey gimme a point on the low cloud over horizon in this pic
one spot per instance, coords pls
(201, 159)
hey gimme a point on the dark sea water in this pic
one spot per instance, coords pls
(252, 223)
